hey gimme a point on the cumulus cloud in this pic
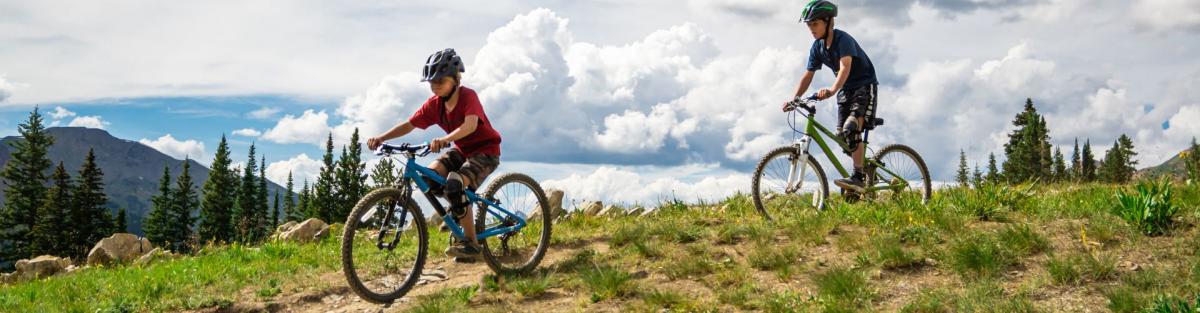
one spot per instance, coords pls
(89, 122)
(6, 89)
(1167, 15)
(175, 148)
(301, 167)
(310, 127)
(264, 113)
(248, 132)
(634, 186)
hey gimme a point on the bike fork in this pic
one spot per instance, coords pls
(797, 164)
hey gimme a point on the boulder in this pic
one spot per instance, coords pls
(307, 231)
(39, 267)
(592, 208)
(120, 247)
(555, 197)
(285, 227)
(155, 255)
(611, 210)
(635, 211)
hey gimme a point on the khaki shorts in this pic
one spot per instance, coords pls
(475, 168)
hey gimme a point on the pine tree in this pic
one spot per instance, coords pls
(245, 210)
(122, 225)
(1076, 170)
(1128, 154)
(304, 207)
(1027, 151)
(275, 211)
(49, 233)
(1060, 166)
(993, 174)
(90, 218)
(185, 202)
(976, 177)
(24, 187)
(384, 173)
(1087, 163)
(324, 201)
(961, 176)
(289, 201)
(351, 177)
(1108, 171)
(158, 220)
(216, 219)
(264, 227)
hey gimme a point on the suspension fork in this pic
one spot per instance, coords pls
(390, 213)
(796, 163)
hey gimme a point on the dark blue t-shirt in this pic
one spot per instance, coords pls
(862, 72)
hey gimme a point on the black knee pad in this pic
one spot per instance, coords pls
(454, 194)
(851, 133)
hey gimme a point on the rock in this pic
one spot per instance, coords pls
(284, 227)
(635, 211)
(8, 278)
(649, 212)
(39, 267)
(555, 197)
(155, 255)
(611, 210)
(309, 230)
(119, 248)
(592, 208)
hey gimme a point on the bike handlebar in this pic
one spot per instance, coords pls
(804, 103)
(387, 149)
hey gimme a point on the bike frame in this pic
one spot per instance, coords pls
(812, 132)
(414, 173)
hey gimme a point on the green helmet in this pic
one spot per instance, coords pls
(818, 9)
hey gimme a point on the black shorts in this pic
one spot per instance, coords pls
(475, 168)
(860, 101)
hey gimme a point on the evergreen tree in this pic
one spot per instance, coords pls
(245, 210)
(962, 175)
(1076, 170)
(50, 235)
(24, 187)
(1087, 163)
(324, 201)
(993, 174)
(351, 177)
(275, 211)
(264, 226)
(976, 177)
(1118, 165)
(216, 219)
(185, 202)
(157, 224)
(289, 201)
(1060, 166)
(1027, 151)
(1128, 154)
(384, 173)
(122, 225)
(90, 217)
(304, 207)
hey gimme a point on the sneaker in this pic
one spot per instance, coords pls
(853, 183)
(461, 250)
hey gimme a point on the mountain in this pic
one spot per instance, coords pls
(131, 169)
(1173, 167)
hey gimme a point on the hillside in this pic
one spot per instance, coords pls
(996, 249)
(131, 169)
(1172, 167)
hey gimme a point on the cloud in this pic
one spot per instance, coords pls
(301, 166)
(6, 89)
(264, 113)
(178, 149)
(61, 113)
(248, 132)
(634, 186)
(1167, 15)
(89, 122)
(310, 127)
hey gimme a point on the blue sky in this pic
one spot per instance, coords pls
(614, 100)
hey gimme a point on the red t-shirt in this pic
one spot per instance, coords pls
(485, 140)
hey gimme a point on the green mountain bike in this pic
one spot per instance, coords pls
(789, 177)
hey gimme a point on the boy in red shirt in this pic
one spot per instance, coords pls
(476, 152)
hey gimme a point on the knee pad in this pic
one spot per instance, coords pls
(454, 194)
(850, 133)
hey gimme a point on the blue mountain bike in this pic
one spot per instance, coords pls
(385, 242)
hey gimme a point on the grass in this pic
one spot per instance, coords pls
(723, 256)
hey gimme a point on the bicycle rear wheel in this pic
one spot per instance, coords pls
(781, 180)
(521, 250)
(902, 164)
(381, 256)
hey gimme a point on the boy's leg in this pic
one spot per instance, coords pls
(853, 107)
(473, 171)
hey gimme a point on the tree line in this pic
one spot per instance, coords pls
(51, 212)
(1029, 156)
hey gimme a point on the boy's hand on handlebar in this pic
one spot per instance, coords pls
(373, 143)
(438, 144)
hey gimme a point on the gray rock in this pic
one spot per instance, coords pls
(155, 255)
(592, 208)
(40, 267)
(307, 231)
(118, 248)
(555, 197)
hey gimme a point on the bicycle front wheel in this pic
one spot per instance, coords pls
(784, 181)
(517, 251)
(382, 253)
(903, 174)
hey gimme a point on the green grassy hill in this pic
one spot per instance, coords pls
(996, 249)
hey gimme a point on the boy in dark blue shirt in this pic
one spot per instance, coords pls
(856, 85)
